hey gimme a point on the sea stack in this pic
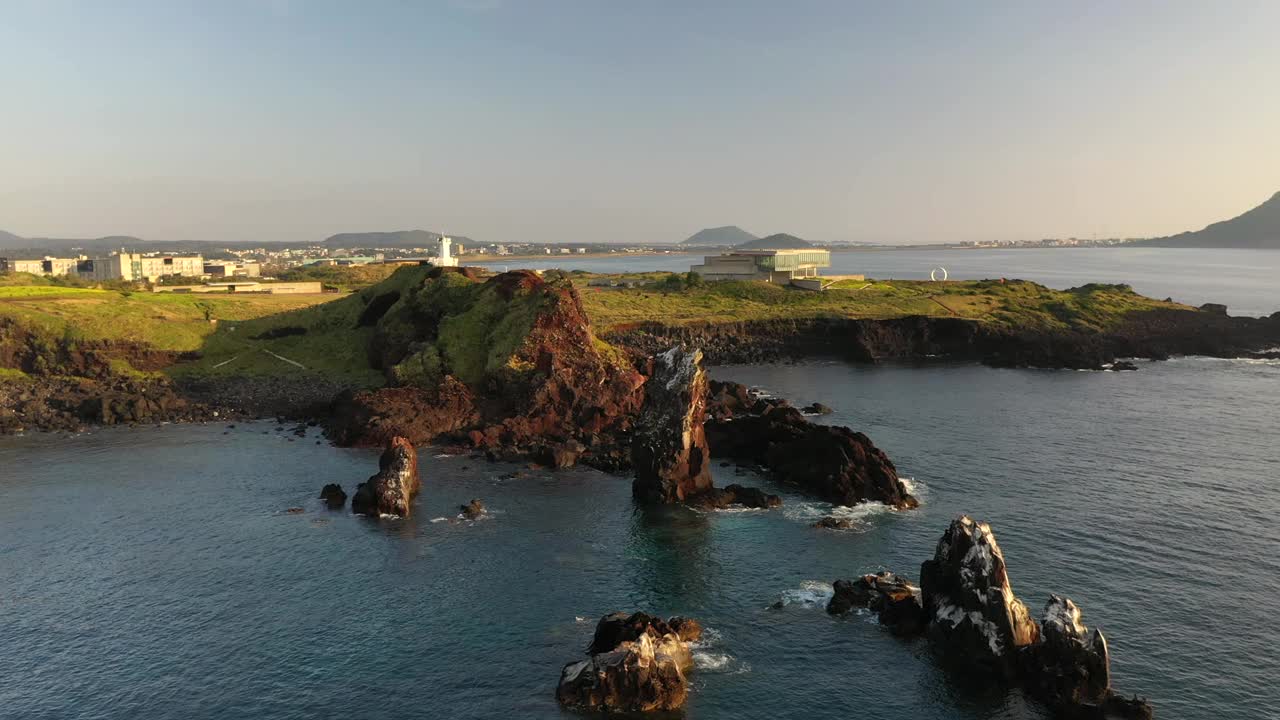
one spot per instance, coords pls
(669, 445)
(969, 601)
(637, 663)
(394, 486)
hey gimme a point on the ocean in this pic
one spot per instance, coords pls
(156, 573)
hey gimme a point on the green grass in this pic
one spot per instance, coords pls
(347, 278)
(1012, 304)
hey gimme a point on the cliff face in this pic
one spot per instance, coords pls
(510, 362)
(1154, 334)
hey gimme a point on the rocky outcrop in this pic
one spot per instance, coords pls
(1070, 666)
(334, 496)
(473, 510)
(969, 601)
(669, 444)
(835, 464)
(971, 610)
(391, 490)
(373, 417)
(893, 598)
(508, 364)
(637, 663)
(737, 495)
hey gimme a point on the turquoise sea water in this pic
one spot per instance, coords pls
(153, 572)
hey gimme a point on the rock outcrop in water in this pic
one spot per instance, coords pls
(334, 496)
(835, 464)
(393, 487)
(1070, 665)
(507, 364)
(637, 663)
(669, 444)
(968, 598)
(892, 597)
(967, 604)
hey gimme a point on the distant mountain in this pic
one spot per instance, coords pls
(725, 235)
(8, 239)
(1258, 228)
(394, 239)
(779, 241)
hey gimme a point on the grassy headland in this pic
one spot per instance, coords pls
(272, 335)
(1014, 304)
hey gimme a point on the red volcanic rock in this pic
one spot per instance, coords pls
(371, 418)
(669, 443)
(508, 364)
(637, 663)
(393, 487)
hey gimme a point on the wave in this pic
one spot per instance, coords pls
(810, 594)
(811, 511)
(709, 657)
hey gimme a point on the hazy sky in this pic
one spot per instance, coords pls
(640, 121)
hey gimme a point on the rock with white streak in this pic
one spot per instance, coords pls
(968, 599)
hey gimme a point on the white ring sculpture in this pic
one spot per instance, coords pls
(933, 274)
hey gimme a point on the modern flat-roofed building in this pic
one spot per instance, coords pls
(136, 267)
(776, 266)
(42, 266)
(232, 268)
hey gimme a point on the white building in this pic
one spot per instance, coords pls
(444, 258)
(43, 266)
(136, 267)
(778, 266)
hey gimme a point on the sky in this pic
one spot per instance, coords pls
(635, 122)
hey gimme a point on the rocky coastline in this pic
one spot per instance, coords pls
(1152, 335)
(966, 606)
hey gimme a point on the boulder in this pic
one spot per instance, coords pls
(1123, 365)
(969, 601)
(892, 597)
(669, 445)
(393, 487)
(816, 409)
(333, 496)
(637, 676)
(472, 510)
(735, 494)
(637, 663)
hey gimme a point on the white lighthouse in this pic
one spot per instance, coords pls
(444, 259)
